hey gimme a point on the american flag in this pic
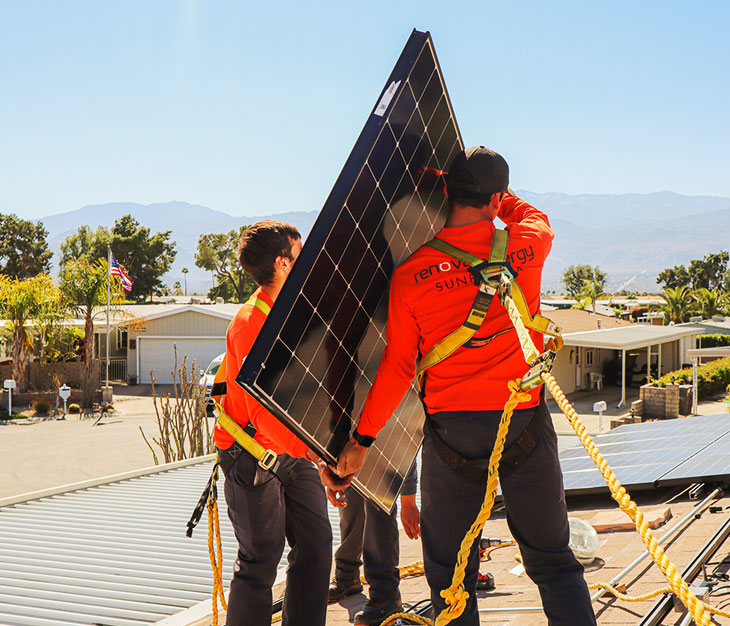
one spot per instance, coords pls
(114, 269)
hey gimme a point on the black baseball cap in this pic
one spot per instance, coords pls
(477, 172)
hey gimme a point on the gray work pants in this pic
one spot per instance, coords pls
(263, 514)
(536, 515)
(369, 537)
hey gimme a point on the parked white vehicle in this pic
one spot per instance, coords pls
(208, 377)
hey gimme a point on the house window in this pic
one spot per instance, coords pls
(121, 339)
(589, 358)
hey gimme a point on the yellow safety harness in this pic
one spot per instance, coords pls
(494, 276)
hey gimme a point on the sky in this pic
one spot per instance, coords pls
(252, 107)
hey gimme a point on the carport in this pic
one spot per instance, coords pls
(697, 354)
(634, 337)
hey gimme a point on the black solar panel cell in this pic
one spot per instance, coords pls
(318, 353)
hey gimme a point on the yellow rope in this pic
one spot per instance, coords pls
(697, 608)
(627, 598)
(411, 617)
(214, 532)
(404, 571)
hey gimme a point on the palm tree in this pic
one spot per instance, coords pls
(678, 304)
(592, 290)
(20, 302)
(185, 277)
(83, 284)
(710, 302)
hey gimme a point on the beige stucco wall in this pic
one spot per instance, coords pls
(564, 369)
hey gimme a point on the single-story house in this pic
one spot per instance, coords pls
(621, 355)
(157, 335)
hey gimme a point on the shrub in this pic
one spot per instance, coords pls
(41, 406)
(74, 408)
(713, 341)
(712, 377)
(4, 415)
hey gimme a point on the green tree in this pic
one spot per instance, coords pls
(674, 277)
(711, 302)
(20, 302)
(677, 306)
(217, 253)
(83, 284)
(177, 289)
(709, 272)
(24, 250)
(145, 257)
(574, 276)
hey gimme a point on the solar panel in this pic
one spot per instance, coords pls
(654, 454)
(318, 352)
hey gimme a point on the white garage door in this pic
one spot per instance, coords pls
(157, 354)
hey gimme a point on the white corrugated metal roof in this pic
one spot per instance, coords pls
(113, 553)
(628, 337)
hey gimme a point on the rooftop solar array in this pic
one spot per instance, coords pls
(654, 454)
(318, 352)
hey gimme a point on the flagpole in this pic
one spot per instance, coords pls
(108, 297)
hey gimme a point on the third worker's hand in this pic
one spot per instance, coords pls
(410, 516)
(351, 458)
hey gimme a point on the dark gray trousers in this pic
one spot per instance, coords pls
(536, 515)
(263, 514)
(369, 537)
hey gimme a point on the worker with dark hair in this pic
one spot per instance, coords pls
(369, 537)
(464, 393)
(279, 497)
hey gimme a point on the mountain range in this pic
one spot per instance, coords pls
(632, 237)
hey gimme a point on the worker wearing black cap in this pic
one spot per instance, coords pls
(430, 295)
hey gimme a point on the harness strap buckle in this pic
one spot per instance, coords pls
(269, 459)
(543, 363)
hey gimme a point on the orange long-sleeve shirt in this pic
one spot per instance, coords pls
(238, 403)
(431, 294)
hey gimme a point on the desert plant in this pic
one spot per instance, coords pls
(41, 407)
(184, 431)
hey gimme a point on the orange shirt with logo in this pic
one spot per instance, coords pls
(431, 294)
(238, 403)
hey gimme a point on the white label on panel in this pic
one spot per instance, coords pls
(386, 99)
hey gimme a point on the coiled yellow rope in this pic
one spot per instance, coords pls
(214, 533)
